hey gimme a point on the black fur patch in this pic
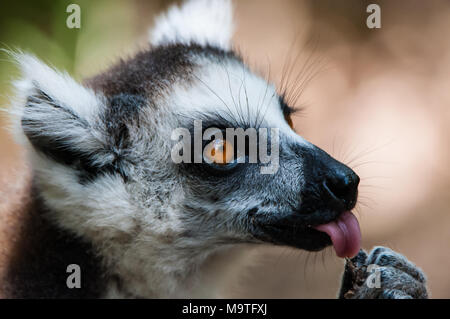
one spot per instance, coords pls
(41, 256)
(151, 72)
(123, 110)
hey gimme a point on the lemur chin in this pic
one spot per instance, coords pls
(108, 197)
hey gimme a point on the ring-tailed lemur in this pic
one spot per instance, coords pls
(108, 197)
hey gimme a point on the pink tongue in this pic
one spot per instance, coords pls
(344, 233)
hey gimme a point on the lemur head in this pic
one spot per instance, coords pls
(102, 151)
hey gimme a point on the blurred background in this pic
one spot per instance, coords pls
(376, 99)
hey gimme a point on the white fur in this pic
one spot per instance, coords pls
(100, 211)
(64, 91)
(58, 85)
(200, 21)
(234, 92)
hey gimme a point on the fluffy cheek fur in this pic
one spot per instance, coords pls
(100, 211)
(145, 243)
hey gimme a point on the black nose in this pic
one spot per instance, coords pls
(336, 183)
(342, 183)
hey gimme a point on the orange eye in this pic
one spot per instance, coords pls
(219, 152)
(288, 119)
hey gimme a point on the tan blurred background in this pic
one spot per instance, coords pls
(379, 101)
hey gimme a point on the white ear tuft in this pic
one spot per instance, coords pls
(205, 22)
(54, 112)
(59, 86)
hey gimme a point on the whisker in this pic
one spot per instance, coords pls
(368, 151)
(370, 162)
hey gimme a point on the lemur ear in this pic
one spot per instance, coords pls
(56, 114)
(205, 22)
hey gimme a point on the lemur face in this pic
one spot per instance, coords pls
(231, 201)
(102, 151)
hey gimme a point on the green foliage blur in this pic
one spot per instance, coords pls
(109, 30)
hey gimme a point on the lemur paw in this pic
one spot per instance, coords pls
(383, 274)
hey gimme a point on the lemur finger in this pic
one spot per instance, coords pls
(375, 252)
(389, 283)
(395, 279)
(394, 294)
(383, 256)
(360, 259)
